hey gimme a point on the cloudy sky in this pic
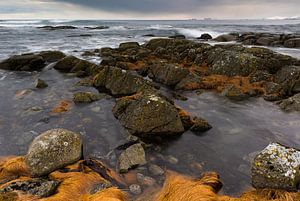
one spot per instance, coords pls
(147, 9)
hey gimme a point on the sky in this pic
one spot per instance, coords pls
(148, 9)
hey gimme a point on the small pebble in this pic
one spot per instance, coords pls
(135, 189)
(172, 160)
(156, 170)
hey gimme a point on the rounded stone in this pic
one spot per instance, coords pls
(135, 189)
(52, 150)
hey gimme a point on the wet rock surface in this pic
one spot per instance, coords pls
(26, 62)
(40, 84)
(291, 104)
(52, 150)
(277, 167)
(86, 97)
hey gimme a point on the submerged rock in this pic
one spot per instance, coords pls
(277, 167)
(291, 104)
(52, 150)
(39, 83)
(26, 62)
(148, 115)
(85, 97)
(39, 187)
(132, 157)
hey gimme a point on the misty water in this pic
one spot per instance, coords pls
(240, 129)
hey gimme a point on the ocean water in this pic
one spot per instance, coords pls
(22, 36)
(240, 129)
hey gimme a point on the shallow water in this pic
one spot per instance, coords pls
(240, 129)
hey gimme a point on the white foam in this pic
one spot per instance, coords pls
(194, 33)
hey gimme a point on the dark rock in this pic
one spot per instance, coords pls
(200, 125)
(205, 36)
(26, 62)
(97, 27)
(266, 41)
(149, 35)
(289, 78)
(129, 45)
(52, 150)
(51, 56)
(132, 157)
(178, 36)
(148, 115)
(234, 93)
(292, 43)
(39, 83)
(167, 74)
(80, 35)
(291, 104)
(226, 38)
(38, 187)
(178, 96)
(52, 28)
(85, 97)
(276, 167)
(120, 82)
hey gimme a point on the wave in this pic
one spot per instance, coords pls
(160, 26)
(20, 21)
(194, 33)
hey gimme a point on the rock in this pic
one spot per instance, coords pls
(39, 83)
(52, 28)
(120, 82)
(292, 43)
(38, 187)
(129, 45)
(85, 97)
(234, 93)
(144, 180)
(156, 170)
(200, 125)
(52, 150)
(80, 35)
(71, 64)
(149, 35)
(148, 115)
(277, 167)
(24, 62)
(51, 56)
(289, 78)
(226, 38)
(178, 36)
(190, 82)
(97, 27)
(167, 74)
(259, 76)
(172, 159)
(135, 189)
(291, 104)
(61, 107)
(205, 36)
(158, 42)
(132, 157)
(266, 41)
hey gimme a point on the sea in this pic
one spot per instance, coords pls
(240, 129)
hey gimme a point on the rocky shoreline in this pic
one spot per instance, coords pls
(133, 75)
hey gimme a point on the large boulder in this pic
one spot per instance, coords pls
(148, 115)
(26, 62)
(167, 74)
(120, 82)
(71, 64)
(51, 56)
(266, 41)
(226, 38)
(277, 167)
(292, 43)
(52, 150)
(132, 157)
(291, 104)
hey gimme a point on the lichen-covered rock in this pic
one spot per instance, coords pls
(167, 74)
(234, 93)
(291, 104)
(26, 62)
(85, 97)
(38, 187)
(39, 83)
(51, 56)
(289, 78)
(132, 157)
(277, 167)
(148, 115)
(52, 150)
(120, 82)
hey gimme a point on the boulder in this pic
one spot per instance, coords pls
(120, 82)
(129, 45)
(291, 104)
(71, 64)
(226, 38)
(289, 78)
(265, 41)
(85, 97)
(200, 125)
(52, 150)
(40, 84)
(25, 62)
(132, 157)
(97, 27)
(148, 115)
(276, 167)
(61, 27)
(292, 43)
(167, 74)
(205, 36)
(51, 56)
